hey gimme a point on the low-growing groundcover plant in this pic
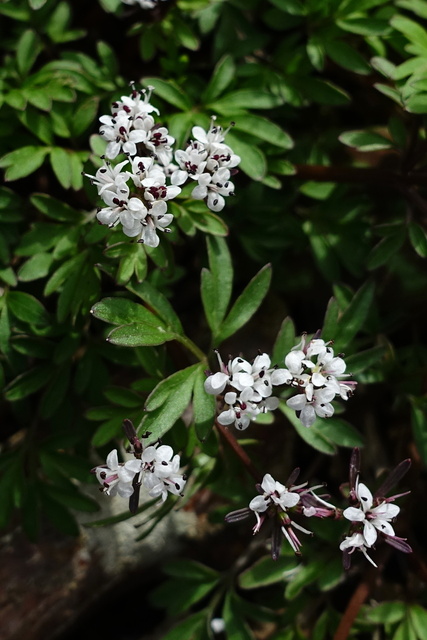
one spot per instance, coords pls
(213, 295)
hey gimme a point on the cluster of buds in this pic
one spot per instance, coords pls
(136, 191)
(277, 502)
(210, 162)
(370, 515)
(155, 467)
(251, 386)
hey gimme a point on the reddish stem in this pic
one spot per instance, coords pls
(239, 451)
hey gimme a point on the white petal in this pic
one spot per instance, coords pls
(369, 533)
(365, 496)
(112, 460)
(353, 514)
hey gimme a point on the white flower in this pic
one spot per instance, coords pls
(137, 105)
(109, 177)
(373, 518)
(159, 142)
(319, 379)
(316, 403)
(129, 212)
(144, 4)
(192, 163)
(161, 472)
(156, 220)
(356, 541)
(213, 187)
(117, 478)
(120, 135)
(211, 138)
(241, 409)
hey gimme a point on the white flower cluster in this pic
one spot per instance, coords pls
(156, 468)
(313, 368)
(252, 386)
(210, 162)
(369, 521)
(136, 190)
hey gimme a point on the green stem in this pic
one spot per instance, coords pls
(189, 344)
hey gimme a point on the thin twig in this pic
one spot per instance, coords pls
(239, 451)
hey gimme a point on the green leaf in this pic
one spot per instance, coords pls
(28, 382)
(122, 311)
(411, 29)
(365, 359)
(323, 92)
(157, 301)
(306, 575)
(169, 91)
(55, 392)
(178, 600)
(27, 308)
(405, 631)
(346, 56)
(168, 386)
(246, 99)
(385, 613)
(235, 625)
(330, 319)
(418, 618)
(22, 162)
(36, 267)
(223, 74)
(64, 272)
(139, 335)
(365, 140)
(354, 316)
(417, 103)
(264, 129)
(27, 50)
(418, 239)
(284, 342)
(246, 304)
(265, 572)
(60, 517)
(55, 209)
(204, 407)
(208, 222)
(340, 432)
(253, 161)
(190, 628)
(217, 283)
(85, 115)
(365, 26)
(159, 421)
(191, 570)
(419, 426)
(60, 162)
(312, 435)
(385, 250)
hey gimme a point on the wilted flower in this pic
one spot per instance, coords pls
(275, 502)
(371, 515)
